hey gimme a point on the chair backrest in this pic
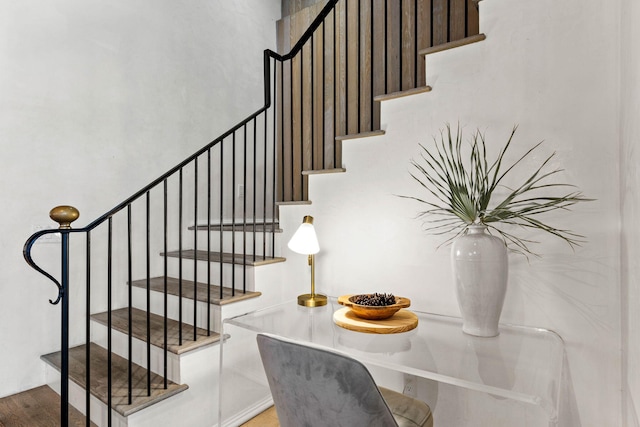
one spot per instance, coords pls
(313, 387)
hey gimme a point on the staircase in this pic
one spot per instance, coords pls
(162, 269)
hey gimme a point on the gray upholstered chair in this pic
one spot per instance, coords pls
(313, 387)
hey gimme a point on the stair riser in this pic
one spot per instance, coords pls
(120, 346)
(77, 399)
(244, 242)
(230, 273)
(173, 308)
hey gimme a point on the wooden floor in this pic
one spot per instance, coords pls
(38, 407)
(268, 418)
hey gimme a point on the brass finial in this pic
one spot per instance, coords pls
(64, 215)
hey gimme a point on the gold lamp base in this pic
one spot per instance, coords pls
(312, 300)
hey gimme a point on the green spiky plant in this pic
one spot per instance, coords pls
(462, 184)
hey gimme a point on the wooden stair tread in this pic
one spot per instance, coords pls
(360, 135)
(173, 288)
(119, 370)
(225, 257)
(120, 322)
(260, 227)
(37, 407)
(451, 45)
(324, 171)
(400, 94)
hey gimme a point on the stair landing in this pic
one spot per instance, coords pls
(119, 368)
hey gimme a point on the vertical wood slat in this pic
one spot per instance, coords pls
(365, 72)
(352, 66)
(318, 88)
(393, 46)
(286, 159)
(282, 28)
(473, 18)
(300, 109)
(407, 41)
(424, 36)
(329, 60)
(340, 89)
(379, 66)
(439, 22)
(457, 19)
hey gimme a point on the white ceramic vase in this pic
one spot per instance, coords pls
(480, 269)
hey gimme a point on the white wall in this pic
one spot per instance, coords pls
(99, 98)
(553, 68)
(630, 187)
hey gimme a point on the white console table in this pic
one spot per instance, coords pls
(513, 379)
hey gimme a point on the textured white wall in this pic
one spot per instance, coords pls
(97, 99)
(553, 68)
(630, 188)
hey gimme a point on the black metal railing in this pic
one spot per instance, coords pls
(305, 108)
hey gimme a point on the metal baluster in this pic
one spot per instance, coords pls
(180, 258)
(109, 305)
(165, 302)
(209, 242)
(233, 215)
(244, 212)
(255, 186)
(313, 141)
(64, 386)
(195, 247)
(129, 307)
(87, 394)
(400, 46)
(359, 72)
(221, 234)
(273, 198)
(148, 267)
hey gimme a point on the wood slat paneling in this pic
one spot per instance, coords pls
(365, 48)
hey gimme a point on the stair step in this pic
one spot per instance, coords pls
(360, 135)
(173, 288)
(323, 171)
(453, 44)
(400, 94)
(224, 257)
(120, 322)
(119, 371)
(260, 227)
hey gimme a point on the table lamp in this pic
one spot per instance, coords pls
(304, 241)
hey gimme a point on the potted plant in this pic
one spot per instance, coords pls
(460, 184)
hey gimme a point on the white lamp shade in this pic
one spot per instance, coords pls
(305, 241)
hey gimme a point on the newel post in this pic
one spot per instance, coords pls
(64, 215)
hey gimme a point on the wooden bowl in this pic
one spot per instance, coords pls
(373, 312)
